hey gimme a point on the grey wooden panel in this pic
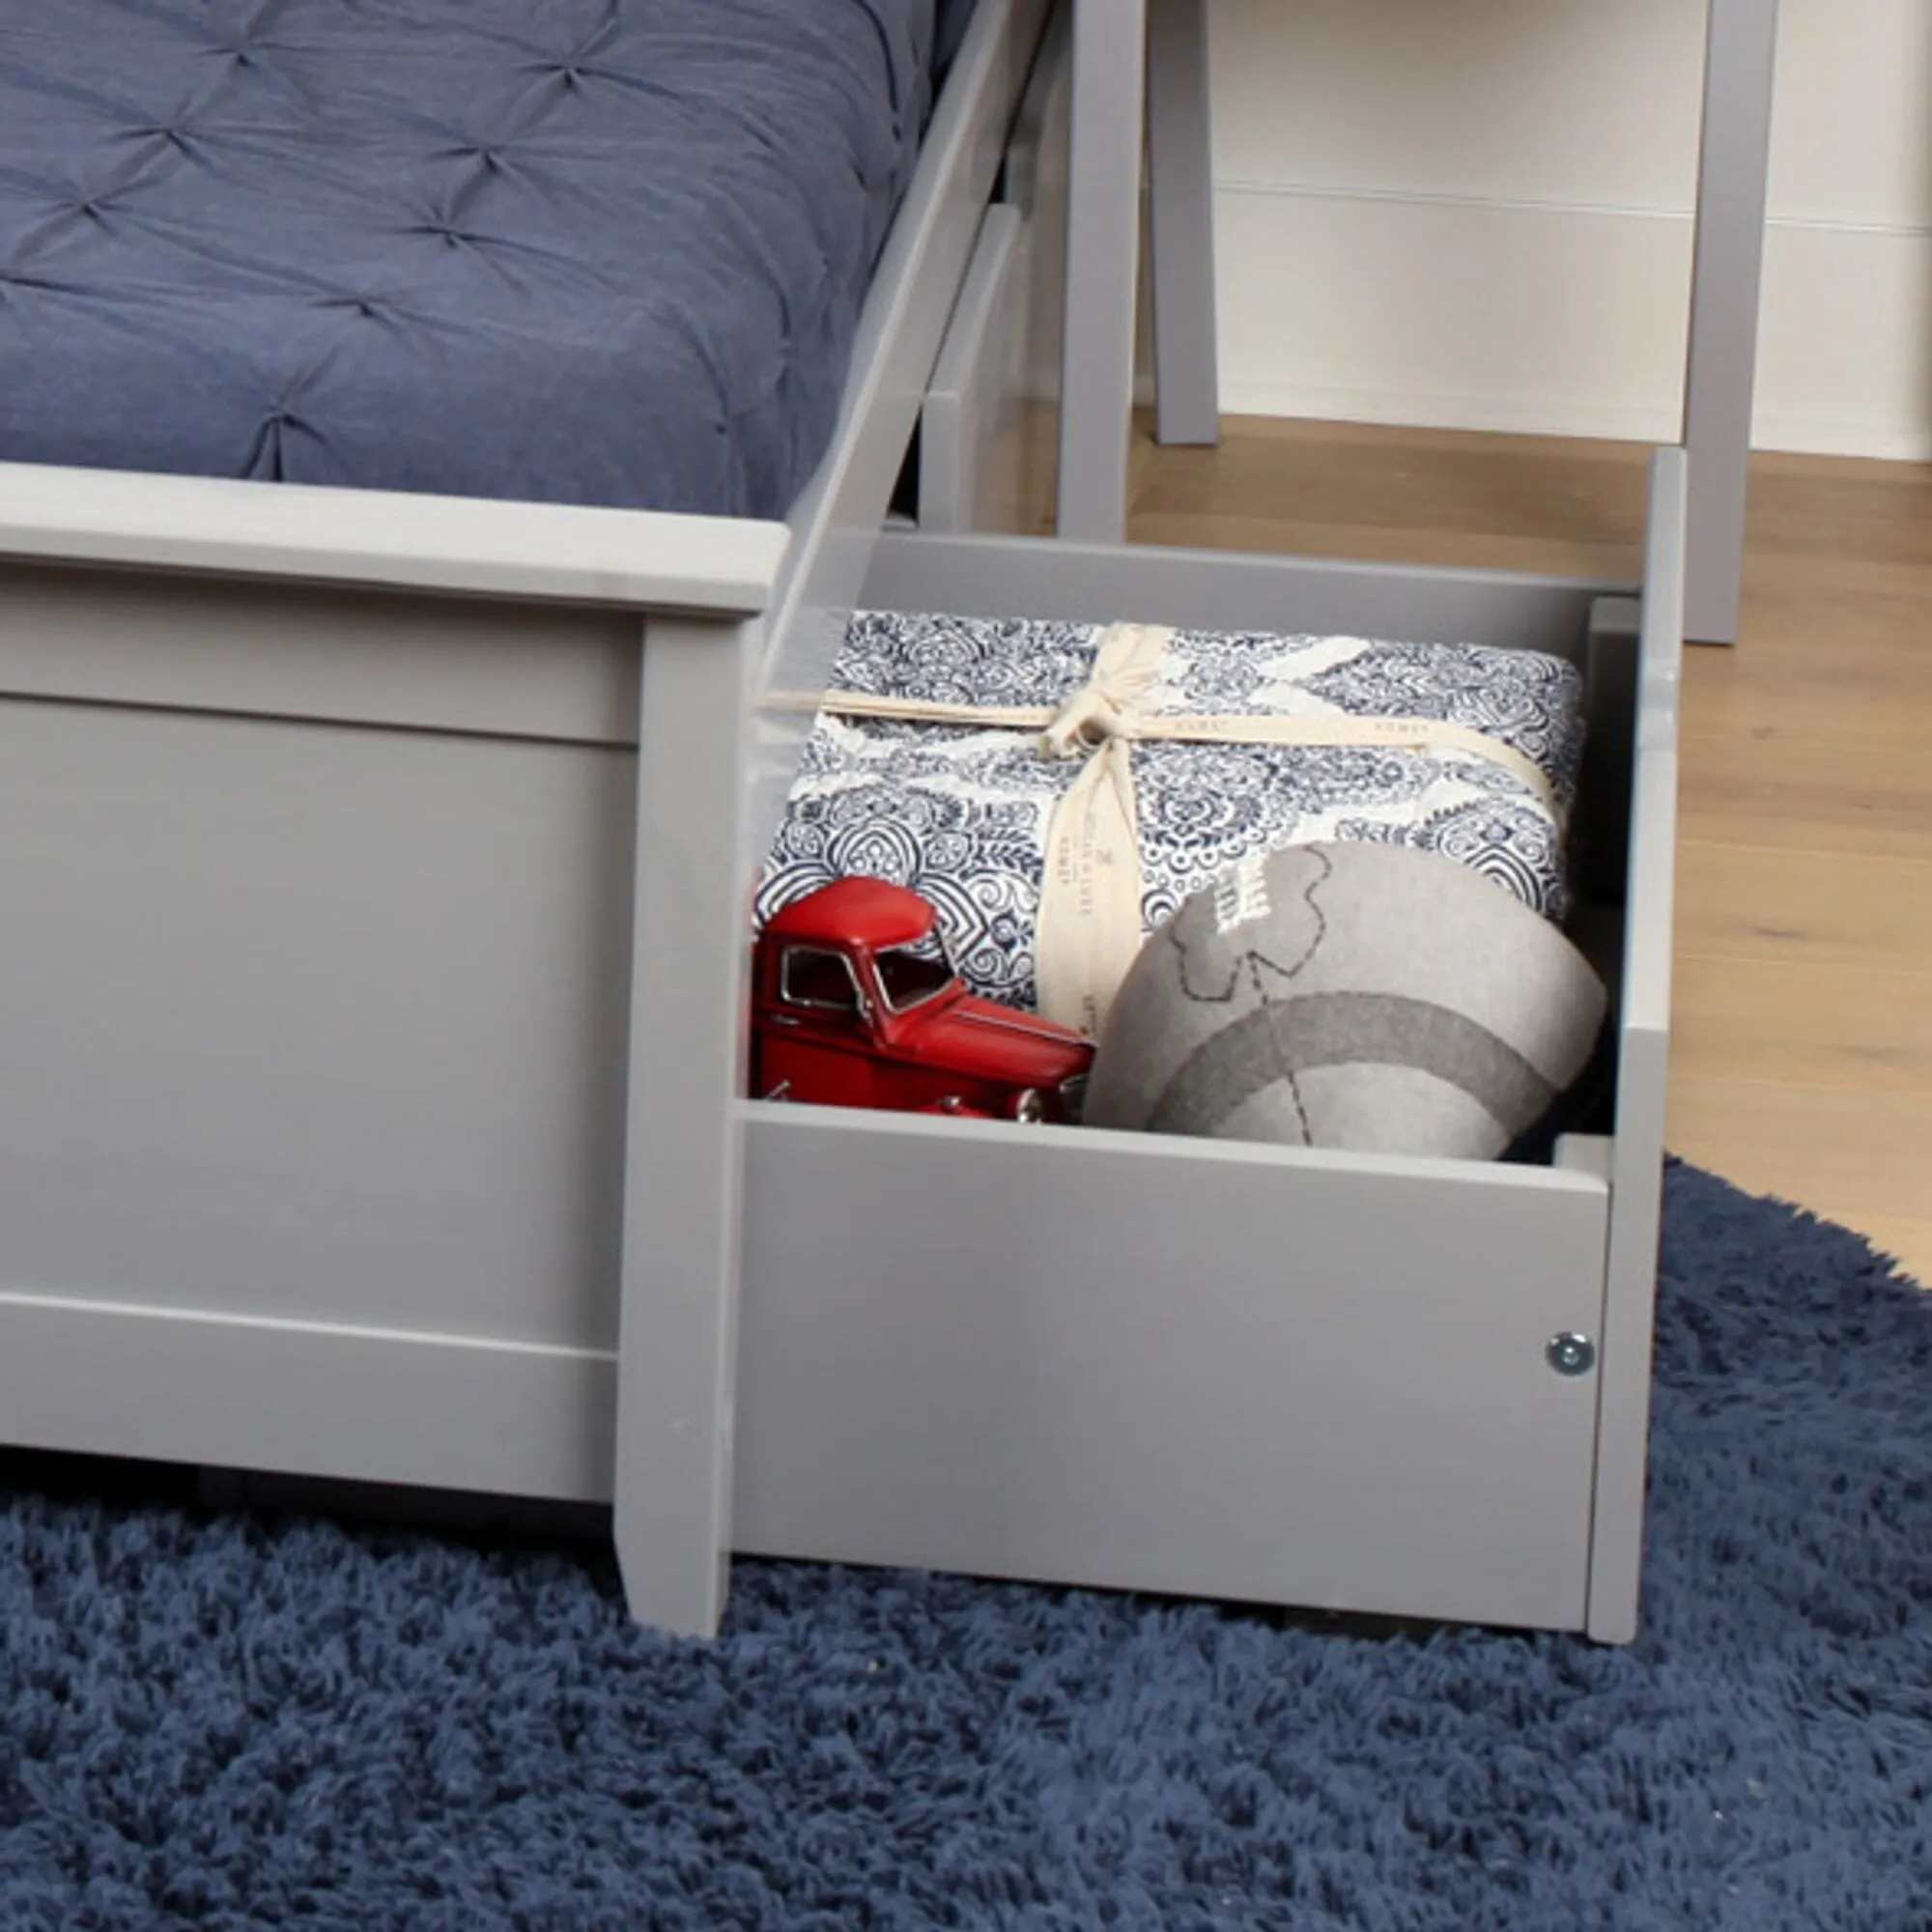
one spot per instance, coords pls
(1181, 224)
(1035, 182)
(1019, 576)
(313, 1023)
(1036, 146)
(835, 522)
(683, 1140)
(1740, 69)
(517, 670)
(1173, 1365)
(1103, 239)
(968, 404)
(368, 1405)
(1643, 1065)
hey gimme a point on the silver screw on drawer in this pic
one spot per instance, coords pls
(1571, 1354)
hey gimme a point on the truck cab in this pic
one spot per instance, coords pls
(855, 1003)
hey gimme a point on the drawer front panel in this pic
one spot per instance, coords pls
(1168, 1365)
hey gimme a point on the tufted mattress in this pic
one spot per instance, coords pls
(595, 251)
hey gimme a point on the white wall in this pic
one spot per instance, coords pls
(1475, 214)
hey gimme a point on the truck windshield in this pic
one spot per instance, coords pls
(911, 975)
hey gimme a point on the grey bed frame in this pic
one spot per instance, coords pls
(371, 1012)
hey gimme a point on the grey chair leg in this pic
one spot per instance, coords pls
(1111, 92)
(1103, 236)
(1180, 243)
(1739, 72)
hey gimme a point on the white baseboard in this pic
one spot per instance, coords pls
(1419, 409)
(1467, 313)
(1572, 417)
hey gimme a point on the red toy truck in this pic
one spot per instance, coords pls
(854, 1004)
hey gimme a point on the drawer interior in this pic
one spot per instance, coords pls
(1596, 625)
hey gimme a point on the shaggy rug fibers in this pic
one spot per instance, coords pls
(238, 1723)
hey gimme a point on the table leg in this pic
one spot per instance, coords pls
(1739, 70)
(1180, 241)
(1104, 236)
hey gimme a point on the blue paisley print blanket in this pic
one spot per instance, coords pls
(960, 814)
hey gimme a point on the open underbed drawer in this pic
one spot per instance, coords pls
(330, 914)
(1406, 1387)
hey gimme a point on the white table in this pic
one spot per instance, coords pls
(1141, 67)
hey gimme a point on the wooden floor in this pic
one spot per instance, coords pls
(1802, 1062)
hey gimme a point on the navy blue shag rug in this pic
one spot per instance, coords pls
(227, 1722)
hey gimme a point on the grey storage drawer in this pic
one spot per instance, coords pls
(1241, 1371)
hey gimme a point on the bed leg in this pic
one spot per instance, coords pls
(678, 1338)
(1180, 214)
(1739, 66)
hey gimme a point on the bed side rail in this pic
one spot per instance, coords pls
(699, 566)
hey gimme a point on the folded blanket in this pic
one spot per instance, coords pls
(961, 813)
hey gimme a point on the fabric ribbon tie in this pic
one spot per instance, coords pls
(1089, 928)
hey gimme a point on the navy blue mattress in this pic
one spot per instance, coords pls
(590, 251)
